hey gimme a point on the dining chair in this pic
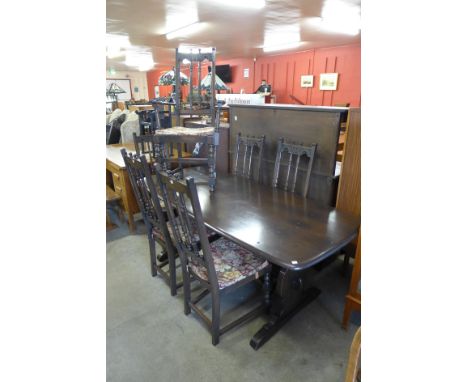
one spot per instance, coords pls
(298, 151)
(245, 147)
(154, 216)
(220, 266)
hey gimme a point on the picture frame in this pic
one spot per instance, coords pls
(307, 81)
(328, 81)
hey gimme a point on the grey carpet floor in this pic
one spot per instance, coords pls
(150, 339)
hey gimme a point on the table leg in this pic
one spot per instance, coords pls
(131, 222)
(211, 167)
(161, 155)
(126, 204)
(290, 297)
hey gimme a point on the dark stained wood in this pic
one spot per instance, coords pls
(298, 151)
(305, 125)
(187, 230)
(222, 155)
(139, 173)
(285, 228)
(248, 158)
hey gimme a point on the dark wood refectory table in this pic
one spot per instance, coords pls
(288, 230)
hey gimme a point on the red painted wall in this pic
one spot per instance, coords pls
(284, 72)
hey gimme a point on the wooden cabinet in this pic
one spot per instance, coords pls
(117, 179)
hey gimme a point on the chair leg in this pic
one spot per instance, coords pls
(215, 318)
(187, 286)
(172, 271)
(152, 248)
(267, 289)
(345, 267)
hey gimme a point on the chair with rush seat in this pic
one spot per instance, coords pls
(220, 266)
(146, 145)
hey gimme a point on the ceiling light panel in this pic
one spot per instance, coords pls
(248, 4)
(282, 28)
(115, 44)
(139, 59)
(180, 14)
(278, 47)
(117, 40)
(339, 17)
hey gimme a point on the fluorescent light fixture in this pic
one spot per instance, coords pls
(113, 52)
(283, 46)
(281, 37)
(252, 4)
(117, 40)
(142, 60)
(115, 43)
(180, 14)
(338, 17)
(186, 30)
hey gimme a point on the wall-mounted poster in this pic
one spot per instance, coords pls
(328, 81)
(307, 81)
(246, 73)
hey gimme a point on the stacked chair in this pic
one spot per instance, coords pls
(154, 217)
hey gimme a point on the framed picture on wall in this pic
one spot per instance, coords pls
(307, 81)
(328, 81)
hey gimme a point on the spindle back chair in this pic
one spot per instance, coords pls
(298, 151)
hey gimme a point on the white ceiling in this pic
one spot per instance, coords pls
(235, 31)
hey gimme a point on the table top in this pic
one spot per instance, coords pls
(114, 155)
(285, 228)
(201, 123)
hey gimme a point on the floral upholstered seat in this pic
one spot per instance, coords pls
(232, 263)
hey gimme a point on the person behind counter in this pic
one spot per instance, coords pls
(264, 89)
